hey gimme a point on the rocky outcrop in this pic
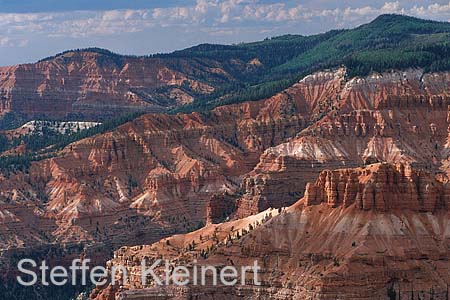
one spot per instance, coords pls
(393, 117)
(328, 245)
(380, 187)
(94, 84)
(159, 175)
(149, 178)
(165, 166)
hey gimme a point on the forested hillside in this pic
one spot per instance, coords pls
(388, 42)
(209, 75)
(235, 73)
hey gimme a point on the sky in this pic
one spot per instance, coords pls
(34, 29)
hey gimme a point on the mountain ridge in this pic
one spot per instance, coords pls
(163, 174)
(380, 20)
(209, 75)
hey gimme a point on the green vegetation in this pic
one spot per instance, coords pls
(261, 69)
(12, 120)
(388, 42)
(44, 144)
(106, 56)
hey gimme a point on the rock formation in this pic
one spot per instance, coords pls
(159, 175)
(367, 233)
(380, 187)
(93, 84)
(398, 117)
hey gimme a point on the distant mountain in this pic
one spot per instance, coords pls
(160, 174)
(96, 83)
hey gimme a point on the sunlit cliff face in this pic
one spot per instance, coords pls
(164, 174)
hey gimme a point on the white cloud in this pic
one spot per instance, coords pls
(4, 41)
(219, 17)
(432, 10)
(75, 24)
(391, 7)
(206, 13)
(8, 42)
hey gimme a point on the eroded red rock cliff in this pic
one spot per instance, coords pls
(93, 84)
(363, 233)
(165, 174)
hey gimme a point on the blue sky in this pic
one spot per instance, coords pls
(32, 29)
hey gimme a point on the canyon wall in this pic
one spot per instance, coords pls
(378, 232)
(395, 117)
(159, 175)
(94, 84)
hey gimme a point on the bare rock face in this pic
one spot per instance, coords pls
(95, 84)
(149, 178)
(393, 117)
(380, 187)
(159, 175)
(372, 233)
(178, 172)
